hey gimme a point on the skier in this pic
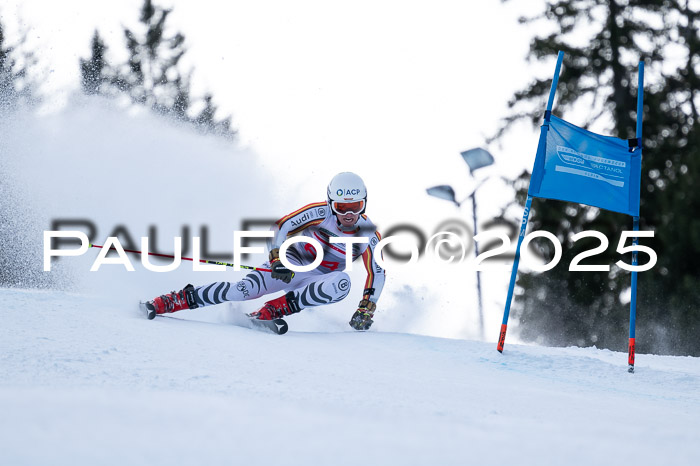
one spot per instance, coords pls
(342, 215)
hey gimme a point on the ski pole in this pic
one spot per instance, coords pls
(204, 261)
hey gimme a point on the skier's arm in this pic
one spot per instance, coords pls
(362, 318)
(375, 274)
(311, 214)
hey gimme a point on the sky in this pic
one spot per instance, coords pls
(323, 81)
(390, 90)
(317, 87)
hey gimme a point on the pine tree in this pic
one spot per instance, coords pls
(670, 198)
(595, 74)
(152, 75)
(585, 308)
(94, 71)
(7, 73)
(20, 260)
(15, 86)
(206, 118)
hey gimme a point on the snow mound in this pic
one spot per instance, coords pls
(93, 382)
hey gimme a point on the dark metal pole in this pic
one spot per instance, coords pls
(478, 274)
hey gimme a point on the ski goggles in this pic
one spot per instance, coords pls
(352, 207)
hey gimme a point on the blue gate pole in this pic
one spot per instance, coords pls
(555, 81)
(526, 213)
(635, 227)
(633, 300)
(513, 275)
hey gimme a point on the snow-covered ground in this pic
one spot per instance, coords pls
(84, 381)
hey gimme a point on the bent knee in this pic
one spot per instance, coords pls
(245, 290)
(341, 285)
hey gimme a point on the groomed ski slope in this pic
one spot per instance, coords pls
(83, 382)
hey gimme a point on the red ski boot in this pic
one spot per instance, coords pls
(277, 308)
(171, 302)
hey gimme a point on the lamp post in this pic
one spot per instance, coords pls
(475, 159)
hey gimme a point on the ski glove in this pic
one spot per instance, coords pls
(362, 318)
(279, 271)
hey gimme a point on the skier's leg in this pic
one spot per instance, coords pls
(313, 289)
(252, 286)
(325, 289)
(171, 302)
(316, 290)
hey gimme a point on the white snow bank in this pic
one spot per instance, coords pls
(85, 381)
(126, 173)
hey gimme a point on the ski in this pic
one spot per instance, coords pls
(149, 311)
(278, 326)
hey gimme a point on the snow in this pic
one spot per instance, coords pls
(128, 173)
(83, 381)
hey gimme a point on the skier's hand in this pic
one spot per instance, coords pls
(279, 271)
(362, 318)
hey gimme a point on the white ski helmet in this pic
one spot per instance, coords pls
(347, 193)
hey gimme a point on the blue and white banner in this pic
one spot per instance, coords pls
(575, 165)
